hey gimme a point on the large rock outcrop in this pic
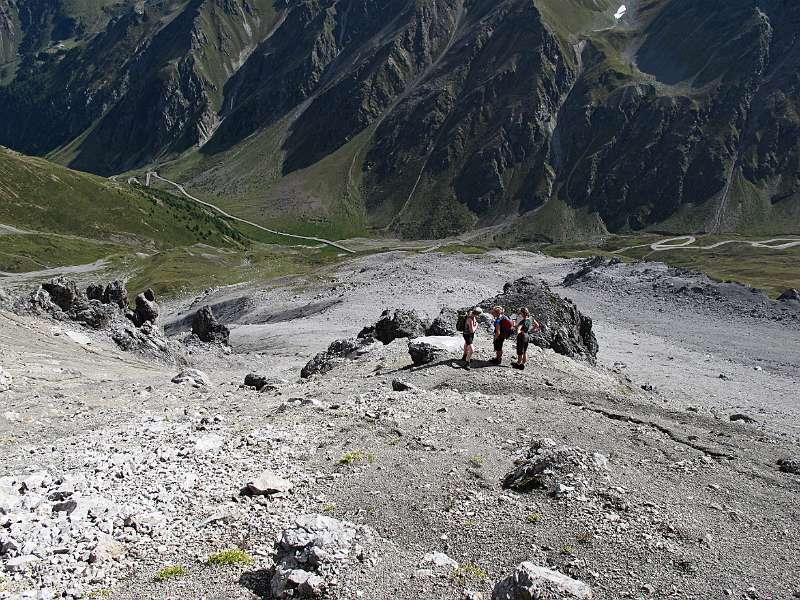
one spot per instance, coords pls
(397, 324)
(565, 329)
(338, 352)
(206, 327)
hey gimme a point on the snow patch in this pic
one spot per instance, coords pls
(620, 12)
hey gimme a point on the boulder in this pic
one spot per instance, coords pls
(565, 329)
(116, 293)
(94, 292)
(533, 582)
(266, 484)
(306, 552)
(146, 308)
(193, 377)
(556, 469)
(63, 293)
(263, 383)
(393, 325)
(790, 465)
(790, 295)
(424, 350)
(92, 313)
(147, 340)
(337, 353)
(206, 327)
(444, 324)
(398, 385)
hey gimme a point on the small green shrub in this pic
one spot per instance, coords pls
(476, 461)
(169, 573)
(230, 557)
(354, 456)
(533, 518)
(470, 571)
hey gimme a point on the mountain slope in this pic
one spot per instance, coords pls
(53, 214)
(431, 118)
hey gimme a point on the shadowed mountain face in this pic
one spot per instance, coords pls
(428, 117)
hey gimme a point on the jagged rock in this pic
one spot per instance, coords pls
(557, 469)
(532, 582)
(565, 329)
(116, 293)
(790, 465)
(266, 484)
(61, 299)
(92, 313)
(146, 307)
(790, 295)
(444, 324)
(63, 293)
(148, 340)
(425, 350)
(5, 380)
(393, 325)
(94, 292)
(337, 352)
(193, 377)
(208, 329)
(308, 551)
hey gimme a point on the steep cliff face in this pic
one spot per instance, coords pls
(149, 85)
(427, 118)
(10, 36)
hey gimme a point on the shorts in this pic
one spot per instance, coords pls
(469, 338)
(522, 343)
(498, 343)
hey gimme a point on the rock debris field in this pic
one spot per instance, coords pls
(174, 450)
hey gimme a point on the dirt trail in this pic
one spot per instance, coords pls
(686, 242)
(227, 215)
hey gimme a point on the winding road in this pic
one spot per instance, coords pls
(686, 242)
(179, 187)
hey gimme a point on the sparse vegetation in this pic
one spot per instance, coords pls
(357, 456)
(533, 518)
(235, 556)
(470, 572)
(476, 461)
(170, 573)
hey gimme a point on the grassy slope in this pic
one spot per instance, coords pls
(74, 217)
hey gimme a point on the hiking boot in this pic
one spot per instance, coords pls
(517, 366)
(467, 366)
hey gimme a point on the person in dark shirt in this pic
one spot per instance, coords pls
(524, 326)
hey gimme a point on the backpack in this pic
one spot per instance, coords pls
(461, 323)
(506, 326)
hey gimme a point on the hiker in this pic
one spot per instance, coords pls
(503, 328)
(470, 327)
(524, 325)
